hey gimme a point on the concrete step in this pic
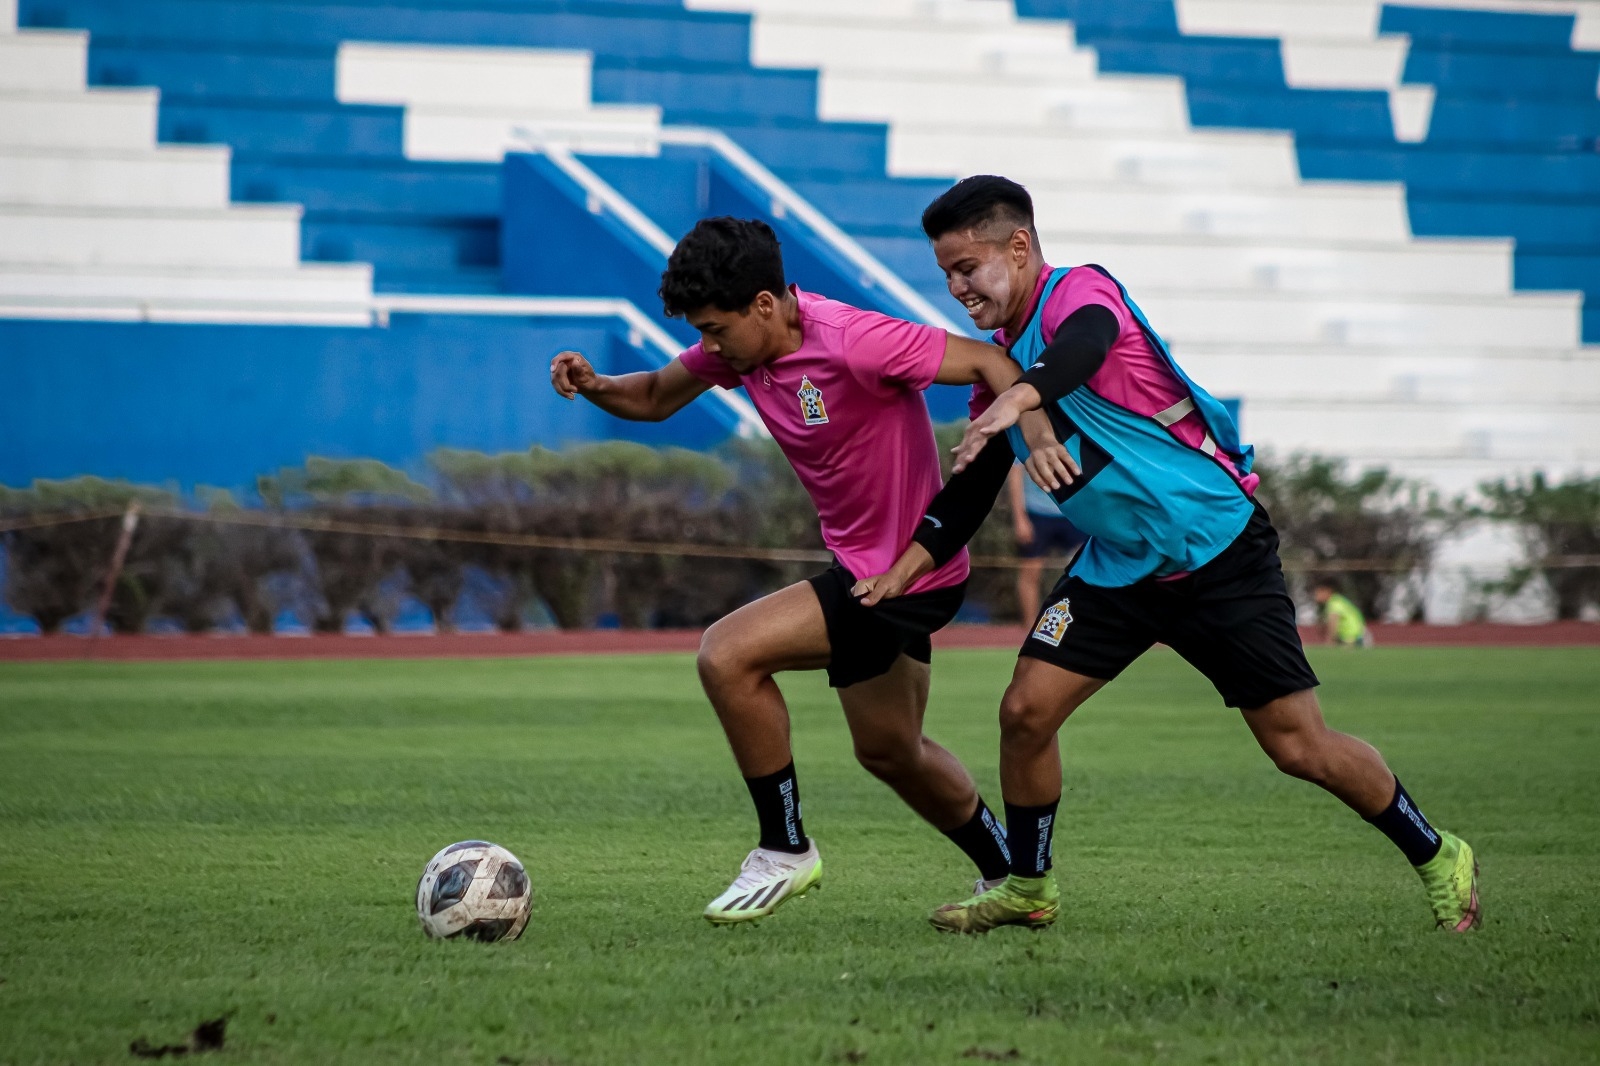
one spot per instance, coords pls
(168, 176)
(1211, 159)
(224, 312)
(873, 44)
(1278, 18)
(972, 13)
(43, 60)
(341, 284)
(444, 76)
(486, 135)
(96, 118)
(1330, 268)
(1028, 105)
(1322, 212)
(1557, 379)
(475, 104)
(245, 235)
(1193, 315)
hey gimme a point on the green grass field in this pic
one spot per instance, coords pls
(191, 840)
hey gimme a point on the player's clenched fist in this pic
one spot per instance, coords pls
(571, 374)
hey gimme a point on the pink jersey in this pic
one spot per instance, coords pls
(1134, 375)
(848, 412)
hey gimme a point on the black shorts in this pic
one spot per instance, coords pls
(1052, 535)
(864, 642)
(1232, 619)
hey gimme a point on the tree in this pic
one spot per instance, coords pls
(355, 572)
(1325, 515)
(1553, 520)
(57, 571)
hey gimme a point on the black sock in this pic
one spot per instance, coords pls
(984, 840)
(777, 799)
(1029, 830)
(1402, 823)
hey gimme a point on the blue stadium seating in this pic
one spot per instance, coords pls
(545, 213)
(1511, 151)
(258, 75)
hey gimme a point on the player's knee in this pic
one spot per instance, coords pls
(1298, 755)
(889, 759)
(1025, 722)
(720, 662)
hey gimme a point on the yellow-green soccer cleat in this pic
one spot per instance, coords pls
(1451, 881)
(1025, 901)
(766, 880)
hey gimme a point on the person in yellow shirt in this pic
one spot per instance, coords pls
(1342, 621)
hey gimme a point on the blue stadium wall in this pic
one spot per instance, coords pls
(221, 404)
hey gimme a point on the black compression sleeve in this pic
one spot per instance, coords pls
(959, 509)
(1078, 350)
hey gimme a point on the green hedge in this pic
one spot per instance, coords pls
(200, 573)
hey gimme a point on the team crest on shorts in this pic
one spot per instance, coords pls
(1053, 624)
(811, 407)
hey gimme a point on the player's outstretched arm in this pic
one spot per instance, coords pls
(990, 426)
(1075, 355)
(648, 396)
(970, 362)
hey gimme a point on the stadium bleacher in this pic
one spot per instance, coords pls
(1328, 205)
(1495, 110)
(1250, 212)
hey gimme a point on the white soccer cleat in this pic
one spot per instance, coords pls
(765, 881)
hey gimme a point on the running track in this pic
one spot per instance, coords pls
(614, 642)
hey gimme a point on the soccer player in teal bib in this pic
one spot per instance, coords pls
(1151, 468)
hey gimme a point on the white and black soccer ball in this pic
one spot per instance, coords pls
(474, 889)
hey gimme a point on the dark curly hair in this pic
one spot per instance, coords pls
(977, 202)
(723, 263)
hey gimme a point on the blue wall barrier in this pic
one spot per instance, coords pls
(222, 404)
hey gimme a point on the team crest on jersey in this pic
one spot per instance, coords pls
(811, 406)
(1053, 624)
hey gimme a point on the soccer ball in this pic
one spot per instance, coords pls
(474, 889)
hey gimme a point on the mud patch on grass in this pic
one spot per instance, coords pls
(207, 1036)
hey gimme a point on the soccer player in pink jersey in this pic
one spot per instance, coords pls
(840, 389)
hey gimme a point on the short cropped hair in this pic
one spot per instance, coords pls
(723, 263)
(979, 202)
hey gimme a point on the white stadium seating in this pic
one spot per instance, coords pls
(476, 103)
(98, 220)
(1288, 293)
